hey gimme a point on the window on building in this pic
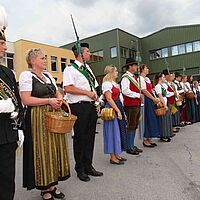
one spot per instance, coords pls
(174, 50)
(158, 53)
(113, 52)
(53, 63)
(63, 63)
(189, 47)
(132, 53)
(181, 49)
(10, 60)
(164, 52)
(96, 56)
(124, 52)
(155, 54)
(196, 46)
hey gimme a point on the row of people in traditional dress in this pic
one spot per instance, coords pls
(138, 105)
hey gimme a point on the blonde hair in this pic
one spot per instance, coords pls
(107, 71)
(32, 53)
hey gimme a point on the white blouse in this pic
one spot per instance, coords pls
(158, 89)
(107, 86)
(143, 82)
(26, 77)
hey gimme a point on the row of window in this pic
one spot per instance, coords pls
(96, 56)
(124, 52)
(54, 64)
(175, 50)
(8, 61)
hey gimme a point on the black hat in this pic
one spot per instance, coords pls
(129, 61)
(177, 74)
(2, 34)
(166, 72)
(74, 48)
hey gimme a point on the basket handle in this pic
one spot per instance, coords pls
(66, 104)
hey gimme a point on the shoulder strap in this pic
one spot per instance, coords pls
(132, 80)
(85, 74)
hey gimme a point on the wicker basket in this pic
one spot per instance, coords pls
(179, 102)
(189, 95)
(160, 111)
(56, 122)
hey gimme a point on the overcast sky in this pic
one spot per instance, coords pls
(48, 21)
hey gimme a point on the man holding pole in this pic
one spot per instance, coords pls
(79, 84)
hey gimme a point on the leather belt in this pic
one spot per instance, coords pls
(85, 102)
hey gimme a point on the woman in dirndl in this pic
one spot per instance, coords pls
(45, 154)
(151, 129)
(165, 121)
(190, 108)
(114, 130)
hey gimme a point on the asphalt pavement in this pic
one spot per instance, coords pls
(170, 171)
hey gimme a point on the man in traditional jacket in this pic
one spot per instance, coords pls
(11, 118)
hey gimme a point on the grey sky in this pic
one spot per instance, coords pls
(48, 21)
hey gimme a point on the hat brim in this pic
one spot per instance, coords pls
(131, 63)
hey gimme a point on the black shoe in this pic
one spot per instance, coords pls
(117, 163)
(93, 172)
(132, 152)
(182, 124)
(137, 149)
(58, 196)
(148, 145)
(165, 139)
(47, 192)
(122, 159)
(154, 144)
(83, 177)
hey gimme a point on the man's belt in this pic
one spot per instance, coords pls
(85, 102)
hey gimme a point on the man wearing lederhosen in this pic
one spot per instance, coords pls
(11, 117)
(80, 86)
(132, 101)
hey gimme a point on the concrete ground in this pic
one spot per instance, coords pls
(170, 171)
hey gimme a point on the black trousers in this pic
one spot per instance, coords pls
(7, 171)
(84, 135)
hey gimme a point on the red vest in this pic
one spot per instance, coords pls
(115, 93)
(171, 99)
(149, 87)
(132, 101)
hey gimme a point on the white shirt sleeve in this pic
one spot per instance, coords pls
(107, 86)
(125, 85)
(68, 78)
(25, 81)
(158, 89)
(142, 83)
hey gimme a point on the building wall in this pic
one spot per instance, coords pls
(105, 41)
(169, 37)
(22, 46)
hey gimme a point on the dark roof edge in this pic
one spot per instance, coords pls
(115, 29)
(171, 27)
